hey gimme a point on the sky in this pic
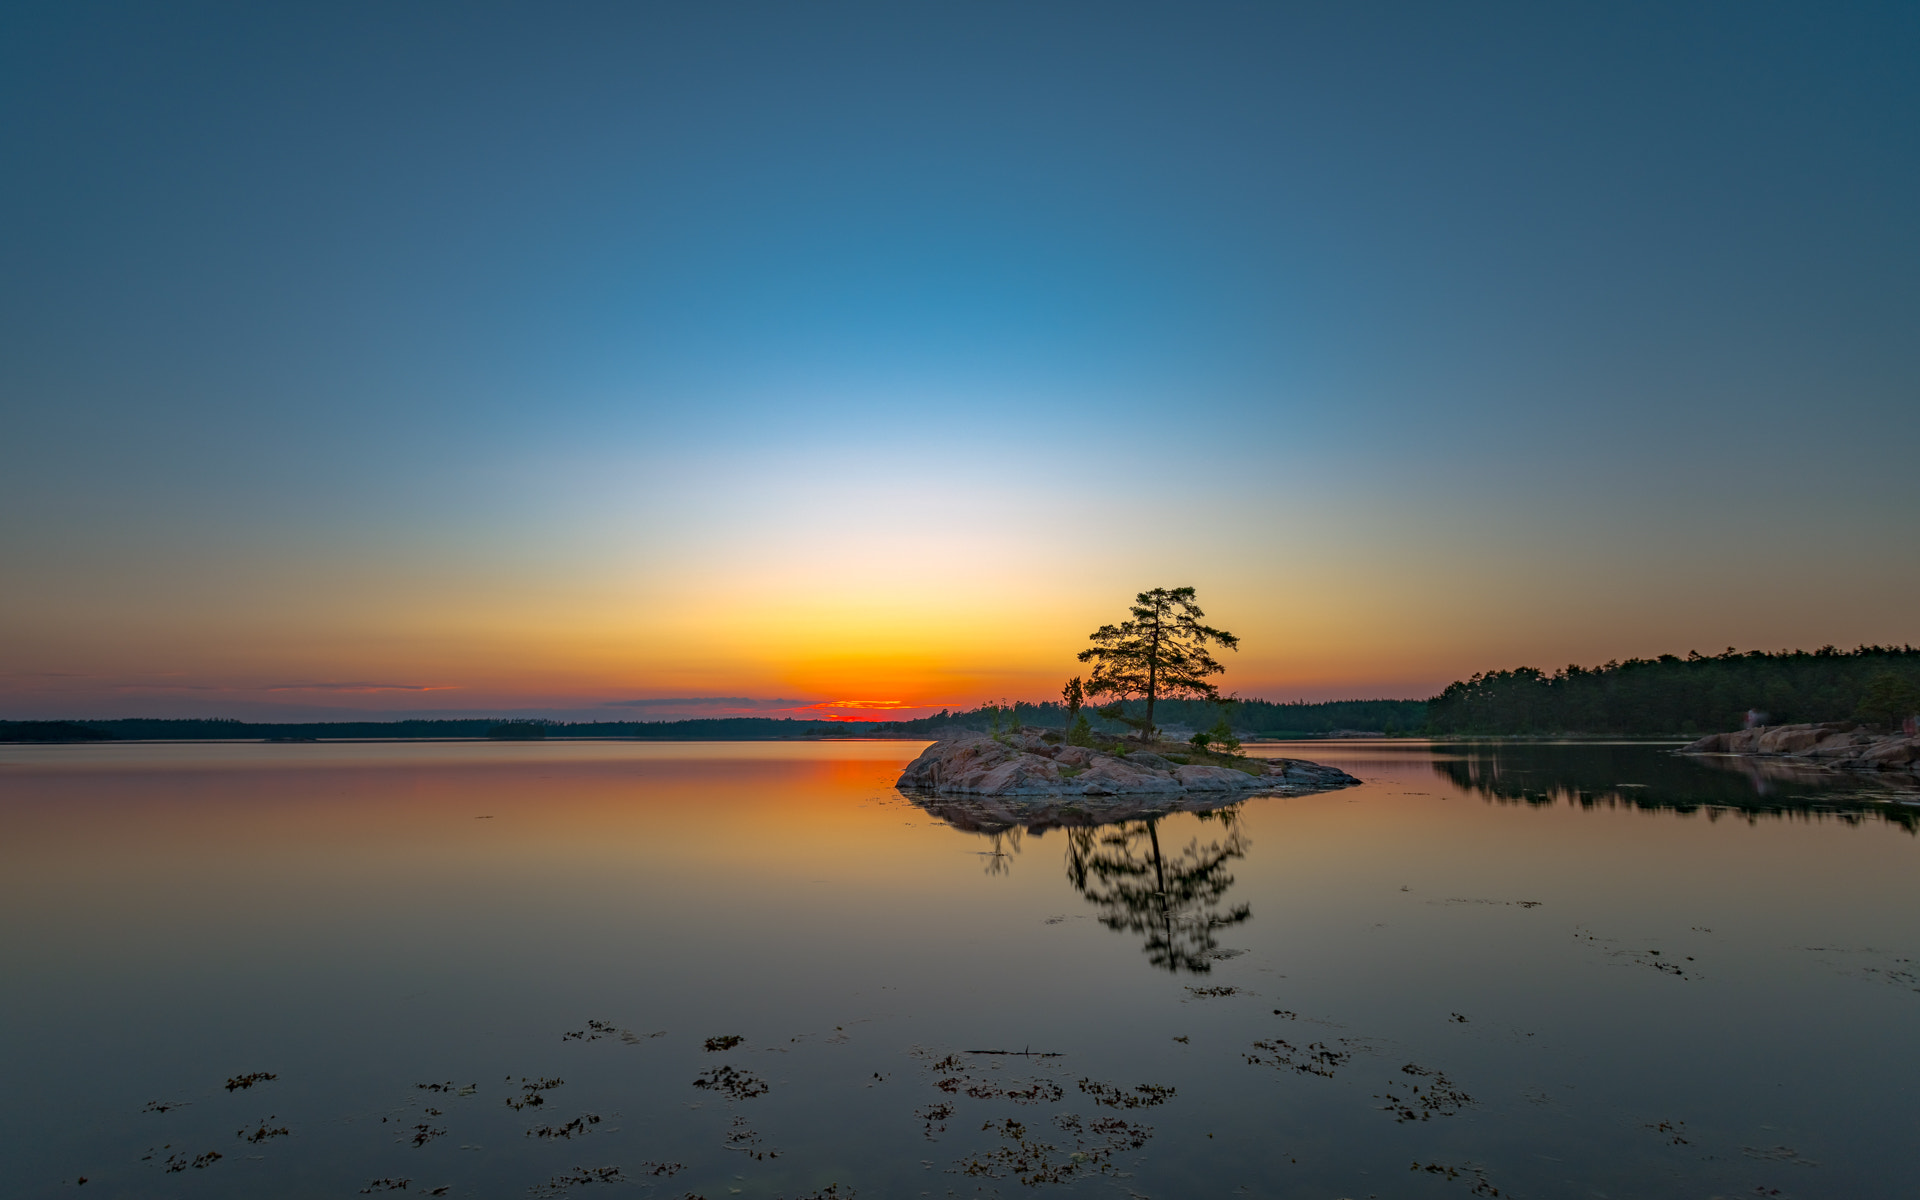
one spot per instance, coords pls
(638, 361)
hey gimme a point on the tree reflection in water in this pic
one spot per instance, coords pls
(1175, 900)
(1003, 845)
(1115, 859)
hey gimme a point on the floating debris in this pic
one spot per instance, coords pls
(1033, 1162)
(242, 1082)
(596, 1030)
(530, 1090)
(1457, 1018)
(1315, 1058)
(727, 1042)
(1677, 1130)
(1213, 991)
(580, 1124)
(579, 1176)
(422, 1134)
(1481, 1186)
(261, 1134)
(1145, 1095)
(936, 1117)
(179, 1162)
(736, 1084)
(160, 1106)
(1438, 1098)
(662, 1170)
(743, 1137)
(1019, 1053)
(1038, 1092)
(385, 1185)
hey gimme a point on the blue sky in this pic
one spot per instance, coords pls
(343, 340)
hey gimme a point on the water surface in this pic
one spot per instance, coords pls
(497, 969)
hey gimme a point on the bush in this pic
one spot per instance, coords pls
(1889, 700)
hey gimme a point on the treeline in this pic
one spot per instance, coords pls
(705, 729)
(1249, 718)
(1650, 697)
(1670, 695)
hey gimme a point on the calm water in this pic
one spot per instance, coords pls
(495, 970)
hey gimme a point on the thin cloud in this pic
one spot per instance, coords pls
(365, 687)
(745, 703)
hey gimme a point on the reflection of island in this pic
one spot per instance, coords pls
(1644, 777)
(1175, 900)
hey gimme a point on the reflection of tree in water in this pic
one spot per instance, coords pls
(1004, 843)
(1651, 778)
(1175, 900)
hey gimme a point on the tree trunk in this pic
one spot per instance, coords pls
(1153, 680)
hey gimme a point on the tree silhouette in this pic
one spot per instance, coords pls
(1175, 901)
(1162, 651)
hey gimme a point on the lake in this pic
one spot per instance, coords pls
(758, 970)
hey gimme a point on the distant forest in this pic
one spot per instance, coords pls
(707, 729)
(1251, 718)
(1671, 695)
(1645, 697)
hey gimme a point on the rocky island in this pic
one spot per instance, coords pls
(1033, 762)
(1848, 744)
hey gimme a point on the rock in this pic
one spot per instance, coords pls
(1789, 739)
(1834, 745)
(1896, 752)
(1210, 779)
(1844, 744)
(1022, 763)
(1119, 777)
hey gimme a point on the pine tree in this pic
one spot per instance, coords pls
(1162, 651)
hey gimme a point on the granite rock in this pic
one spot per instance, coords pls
(1024, 763)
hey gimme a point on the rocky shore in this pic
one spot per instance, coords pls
(1027, 763)
(1834, 743)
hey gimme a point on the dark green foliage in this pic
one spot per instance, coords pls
(1161, 650)
(1671, 695)
(1889, 700)
(519, 731)
(1590, 776)
(1074, 697)
(1255, 718)
(51, 731)
(1080, 733)
(1117, 713)
(1222, 735)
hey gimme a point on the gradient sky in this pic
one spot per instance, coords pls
(732, 357)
